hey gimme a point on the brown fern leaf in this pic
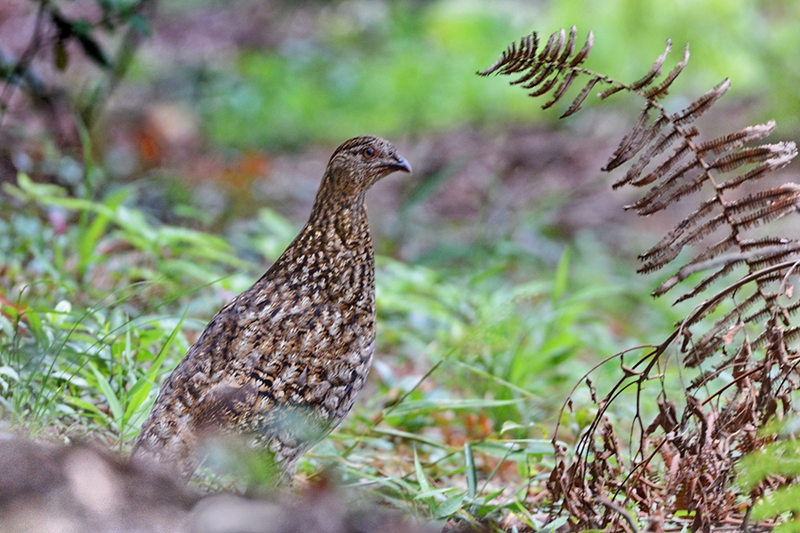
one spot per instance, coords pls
(688, 178)
(664, 141)
(668, 127)
(655, 70)
(697, 108)
(687, 170)
(679, 155)
(741, 341)
(515, 58)
(552, 70)
(662, 89)
(743, 214)
(782, 155)
(737, 139)
(641, 135)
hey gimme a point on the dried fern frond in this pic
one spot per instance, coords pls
(671, 161)
(554, 68)
(742, 339)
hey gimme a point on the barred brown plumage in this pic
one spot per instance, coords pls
(281, 364)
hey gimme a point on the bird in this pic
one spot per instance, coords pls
(281, 364)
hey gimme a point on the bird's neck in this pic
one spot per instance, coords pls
(339, 218)
(332, 256)
(335, 247)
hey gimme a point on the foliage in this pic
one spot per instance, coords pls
(734, 383)
(724, 37)
(59, 31)
(363, 61)
(117, 298)
(98, 301)
(87, 301)
(764, 474)
(339, 84)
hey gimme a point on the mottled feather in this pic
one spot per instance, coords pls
(282, 363)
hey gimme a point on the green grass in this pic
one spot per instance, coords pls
(474, 358)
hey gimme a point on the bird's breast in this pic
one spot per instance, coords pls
(311, 350)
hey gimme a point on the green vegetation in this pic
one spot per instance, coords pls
(479, 343)
(362, 73)
(347, 80)
(777, 459)
(472, 365)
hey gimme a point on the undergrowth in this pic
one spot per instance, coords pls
(99, 302)
(735, 352)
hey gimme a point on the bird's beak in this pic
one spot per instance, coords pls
(398, 163)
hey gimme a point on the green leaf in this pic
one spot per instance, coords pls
(87, 243)
(35, 325)
(105, 387)
(781, 458)
(449, 506)
(471, 471)
(86, 406)
(135, 398)
(158, 362)
(562, 276)
(784, 500)
(141, 389)
(421, 406)
(421, 479)
(408, 436)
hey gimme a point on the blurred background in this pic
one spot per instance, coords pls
(226, 107)
(156, 156)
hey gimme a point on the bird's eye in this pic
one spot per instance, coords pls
(369, 152)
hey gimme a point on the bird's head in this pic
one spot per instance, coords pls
(361, 161)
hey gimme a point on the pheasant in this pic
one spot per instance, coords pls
(282, 363)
